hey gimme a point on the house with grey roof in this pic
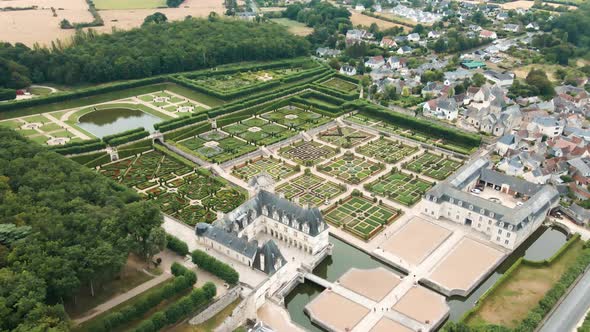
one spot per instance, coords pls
(503, 222)
(236, 234)
(502, 79)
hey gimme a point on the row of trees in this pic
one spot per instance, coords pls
(151, 50)
(82, 228)
(216, 267)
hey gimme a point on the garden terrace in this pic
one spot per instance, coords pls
(309, 189)
(173, 103)
(296, 118)
(307, 153)
(386, 150)
(400, 187)
(360, 216)
(438, 167)
(177, 189)
(214, 149)
(277, 169)
(350, 168)
(258, 131)
(345, 137)
(340, 84)
(42, 130)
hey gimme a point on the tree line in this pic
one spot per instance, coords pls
(153, 49)
(81, 226)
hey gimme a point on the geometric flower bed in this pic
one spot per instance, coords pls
(296, 118)
(258, 131)
(276, 169)
(360, 216)
(350, 168)
(340, 84)
(307, 153)
(400, 187)
(310, 189)
(434, 166)
(217, 151)
(345, 137)
(386, 150)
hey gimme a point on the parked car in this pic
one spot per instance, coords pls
(476, 191)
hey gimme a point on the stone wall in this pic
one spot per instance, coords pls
(216, 307)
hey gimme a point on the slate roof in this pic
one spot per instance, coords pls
(273, 258)
(228, 239)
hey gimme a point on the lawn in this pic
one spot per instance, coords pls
(129, 4)
(294, 27)
(400, 187)
(340, 84)
(40, 91)
(361, 216)
(350, 168)
(511, 301)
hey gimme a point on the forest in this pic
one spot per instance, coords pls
(62, 226)
(154, 49)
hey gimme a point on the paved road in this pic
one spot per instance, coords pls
(572, 309)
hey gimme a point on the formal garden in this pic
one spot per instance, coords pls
(350, 168)
(259, 131)
(244, 79)
(345, 137)
(401, 187)
(216, 146)
(180, 191)
(436, 166)
(172, 103)
(307, 153)
(310, 189)
(296, 118)
(340, 84)
(386, 150)
(361, 216)
(42, 130)
(277, 169)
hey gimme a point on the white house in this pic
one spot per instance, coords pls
(404, 50)
(487, 34)
(434, 34)
(388, 43)
(414, 37)
(348, 70)
(547, 126)
(502, 79)
(441, 108)
(505, 143)
(375, 62)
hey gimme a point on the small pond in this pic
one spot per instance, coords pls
(111, 121)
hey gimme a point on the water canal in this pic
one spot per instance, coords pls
(540, 245)
(111, 121)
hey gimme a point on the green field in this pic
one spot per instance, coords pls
(400, 187)
(340, 84)
(361, 216)
(129, 4)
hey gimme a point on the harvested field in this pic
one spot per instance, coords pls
(373, 284)
(422, 305)
(387, 325)
(416, 240)
(465, 265)
(128, 4)
(358, 18)
(31, 26)
(335, 311)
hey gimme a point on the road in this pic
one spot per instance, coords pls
(572, 309)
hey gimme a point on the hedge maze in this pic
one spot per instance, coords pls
(386, 150)
(435, 166)
(360, 216)
(275, 168)
(400, 187)
(180, 191)
(345, 137)
(350, 168)
(310, 189)
(307, 153)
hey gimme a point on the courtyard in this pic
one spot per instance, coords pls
(401, 187)
(360, 216)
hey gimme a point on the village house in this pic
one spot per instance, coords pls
(348, 70)
(388, 43)
(487, 34)
(375, 62)
(441, 108)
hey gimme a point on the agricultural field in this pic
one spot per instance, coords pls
(340, 84)
(277, 169)
(310, 189)
(296, 28)
(386, 150)
(180, 191)
(259, 131)
(435, 166)
(296, 118)
(361, 216)
(307, 153)
(345, 137)
(350, 168)
(360, 19)
(400, 187)
(216, 147)
(129, 4)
